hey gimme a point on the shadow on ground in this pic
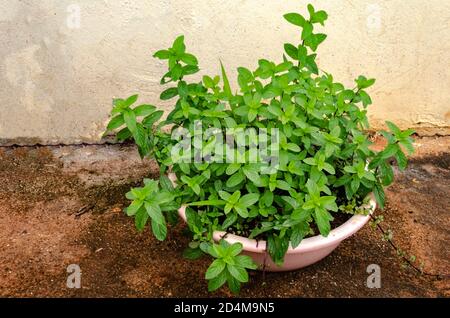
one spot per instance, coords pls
(63, 205)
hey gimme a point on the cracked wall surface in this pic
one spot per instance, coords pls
(62, 62)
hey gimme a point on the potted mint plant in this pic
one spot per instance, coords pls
(273, 176)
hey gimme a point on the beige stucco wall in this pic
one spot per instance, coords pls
(58, 77)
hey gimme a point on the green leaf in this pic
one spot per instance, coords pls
(179, 46)
(176, 72)
(217, 282)
(387, 174)
(329, 203)
(226, 83)
(323, 218)
(162, 54)
(245, 73)
(267, 198)
(183, 90)
(291, 201)
(196, 188)
(159, 230)
(130, 120)
(241, 210)
(169, 93)
(216, 267)
(229, 221)
(408, 145)
(130, 101)
(193, 219)
(365, 98)
(118, 104)
(166, 183)
(277, 248)
(379, 195)
(208, 81)
(154, 212)
(252, 113)
(230, 122)
(293, 147)
(329, 168)
(319, 17)
(307, 30)
(254, 177)
(225, 195)
(369, 176)
(190, 69)
(133, 194)
(402, 161)
(153, 118)
(162, 197)
(295, 19)
(239, 273)
(123, 134)
(206, 247)
(189, 59)
(192, 253)
(364, 83)
(393, 128)
(283, 185)
(115, 122)
(232, 168)
(310, 161)
(144, 110)
(140, 219)
(207, 203)
(134, 207)
(407, 133)
(310, 204)
(235, 249)
(249, 199)
(314, 40)
(234, 198)
(301, 214)
(291, 50)
(228, 208)
(354, 184)
(296, 235)
(245, 262)
(141, 139)
(313, 188)
(311, 64)
(233, 284)
(235, 179)
(275, 109)
(171, 207)
(270, 92)
(389, 151)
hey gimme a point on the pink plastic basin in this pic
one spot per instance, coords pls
(310, 250)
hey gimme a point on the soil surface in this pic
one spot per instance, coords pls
(64, 205)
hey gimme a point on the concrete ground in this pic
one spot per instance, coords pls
(63, 205)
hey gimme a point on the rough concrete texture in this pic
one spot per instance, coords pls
(62, 62)
(63, 205)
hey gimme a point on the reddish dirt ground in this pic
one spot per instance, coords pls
(63, 205)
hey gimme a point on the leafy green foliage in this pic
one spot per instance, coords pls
(326, 164)
(134, 122)
(228, 266)
(148, 203)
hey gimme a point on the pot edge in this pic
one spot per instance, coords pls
(337, 235)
